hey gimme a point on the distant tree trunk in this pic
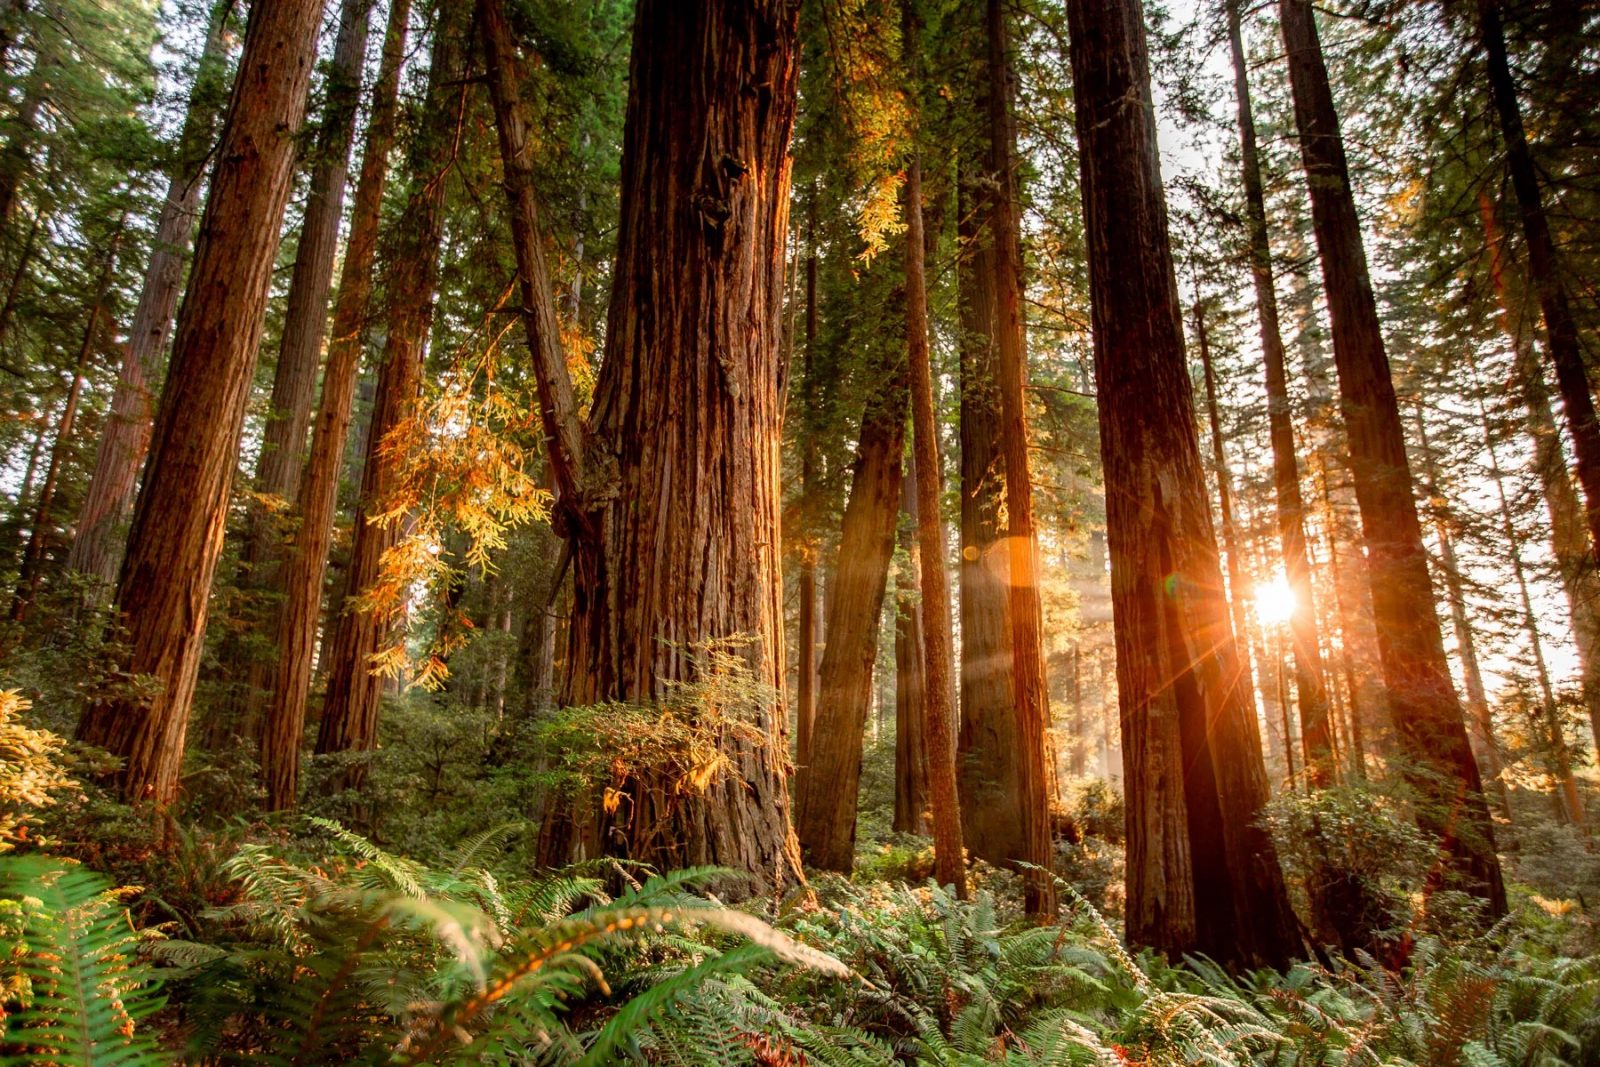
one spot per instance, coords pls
(683, 546)
(949, 854)
(1569, 805)
(806, 696)
(1569, 539)
(1202, 872)
(19, 273)
(825, 821)
(1561, 329)
(305, 559)
(1422, 700)
(1031, 692)
(124, 442)
(986, 765)
(16, 159)
(182, 510)
(910, 678)
(1309, 677)
(1231, 547)
(39, 529)
(1466, 643)
(350, 708)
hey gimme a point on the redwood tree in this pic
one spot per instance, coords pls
(125, 440)
(306, 554)
(1422, 699)
(182, 509)
(670, 498)
(351, 705)
(1201, 872)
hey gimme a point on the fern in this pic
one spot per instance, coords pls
(85, 992)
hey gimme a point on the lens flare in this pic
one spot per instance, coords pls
(1275, 601)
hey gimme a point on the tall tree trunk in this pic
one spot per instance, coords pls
(986, 765)
(679, 545)
(1466, 643)
(1561, 329)
(949, 854)
(1569, 539)
(16, 159)
(19, 273)
(1569, 805)
(1031, 691)
(1202, 873)
(910, 678)
(1309, 676)
(825, 820)
(1422, 700)
(305, 560)
(125, 440)
(39, 531)
(182, 509)
(350, 708)
(806, 695)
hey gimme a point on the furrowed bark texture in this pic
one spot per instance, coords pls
(688, 411)
(182, 510)
(125, 441)
(350, 708)
(1201, 873)
(305, 561)
(985, 755)
(1422, 700)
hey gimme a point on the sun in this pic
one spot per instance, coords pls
(1275, 601)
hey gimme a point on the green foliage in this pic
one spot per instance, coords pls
(76, 993)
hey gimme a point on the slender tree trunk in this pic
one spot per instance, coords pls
(16, 159)
(1309, 676)
(19, 274)
(125, 440)
(949, 854)
(39, 530)
(1561, 329)
(986, 765)
(182, 510)
(1202, 873)
(304, 567)
(806, 696)
(680, 548)
(1422, 700)
(825, 821)
(910, 679)
(1569, 539)
(1031, 692)
(351, 706)
(1569, 806)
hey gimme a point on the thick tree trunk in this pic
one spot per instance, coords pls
(1422, 700)
(688, 420)
(949, 854)
(986, 765)
(1031, 692)
(107, 503)
(1309, 675)
(182, 510)
(305, 559)
(1544, 276)
(350, 708)
(825, 821)
(910, 678)
(1201, 872)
